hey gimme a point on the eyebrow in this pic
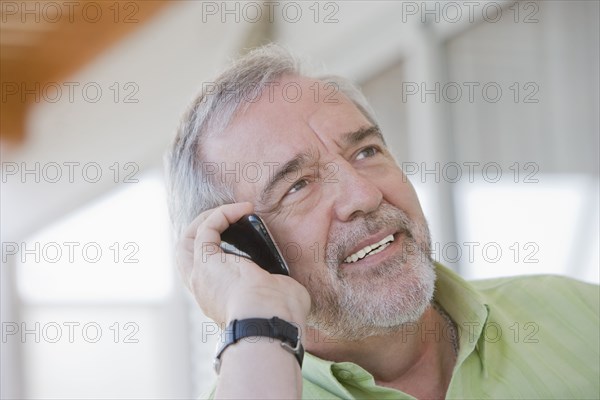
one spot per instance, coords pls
(302, 159)
(355, 137)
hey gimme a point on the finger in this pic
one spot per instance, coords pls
(209, 231)
(205, 241)
(185, 247)
(192, 228)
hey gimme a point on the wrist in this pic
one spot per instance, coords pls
(265, 307)
(287, 334)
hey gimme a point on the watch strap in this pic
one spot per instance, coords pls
(275, 328)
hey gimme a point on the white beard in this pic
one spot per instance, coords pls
(358, 304)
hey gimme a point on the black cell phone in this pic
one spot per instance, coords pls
(250, 238)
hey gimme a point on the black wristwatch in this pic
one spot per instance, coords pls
(275, 328)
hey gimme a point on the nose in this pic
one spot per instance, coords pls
(356, 194)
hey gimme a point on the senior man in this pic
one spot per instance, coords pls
(377, 317)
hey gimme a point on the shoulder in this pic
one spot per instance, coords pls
(543, 296)
(547, 286)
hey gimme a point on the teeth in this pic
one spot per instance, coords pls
(371, 249)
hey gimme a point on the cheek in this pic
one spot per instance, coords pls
(302, 241)
(399, 191)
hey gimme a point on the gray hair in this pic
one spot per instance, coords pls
(191, 189)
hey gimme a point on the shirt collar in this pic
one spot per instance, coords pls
(468, 310)
(461, 301)
(324, 373)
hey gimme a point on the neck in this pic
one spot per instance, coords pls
(418, 358)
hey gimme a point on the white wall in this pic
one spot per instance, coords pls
(164, 64)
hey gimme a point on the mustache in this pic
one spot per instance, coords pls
(344, 238)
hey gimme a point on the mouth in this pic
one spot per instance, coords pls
(370, 249)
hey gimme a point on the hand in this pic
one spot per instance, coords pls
(227, 286)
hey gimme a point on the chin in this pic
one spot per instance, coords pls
(355, 309)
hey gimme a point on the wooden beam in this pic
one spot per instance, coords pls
(47, 41)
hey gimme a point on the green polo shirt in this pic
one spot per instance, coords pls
(534, 337)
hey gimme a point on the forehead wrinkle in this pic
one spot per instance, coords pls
(316, 134)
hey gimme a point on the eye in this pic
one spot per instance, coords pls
(297, 186)
(367, 152)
